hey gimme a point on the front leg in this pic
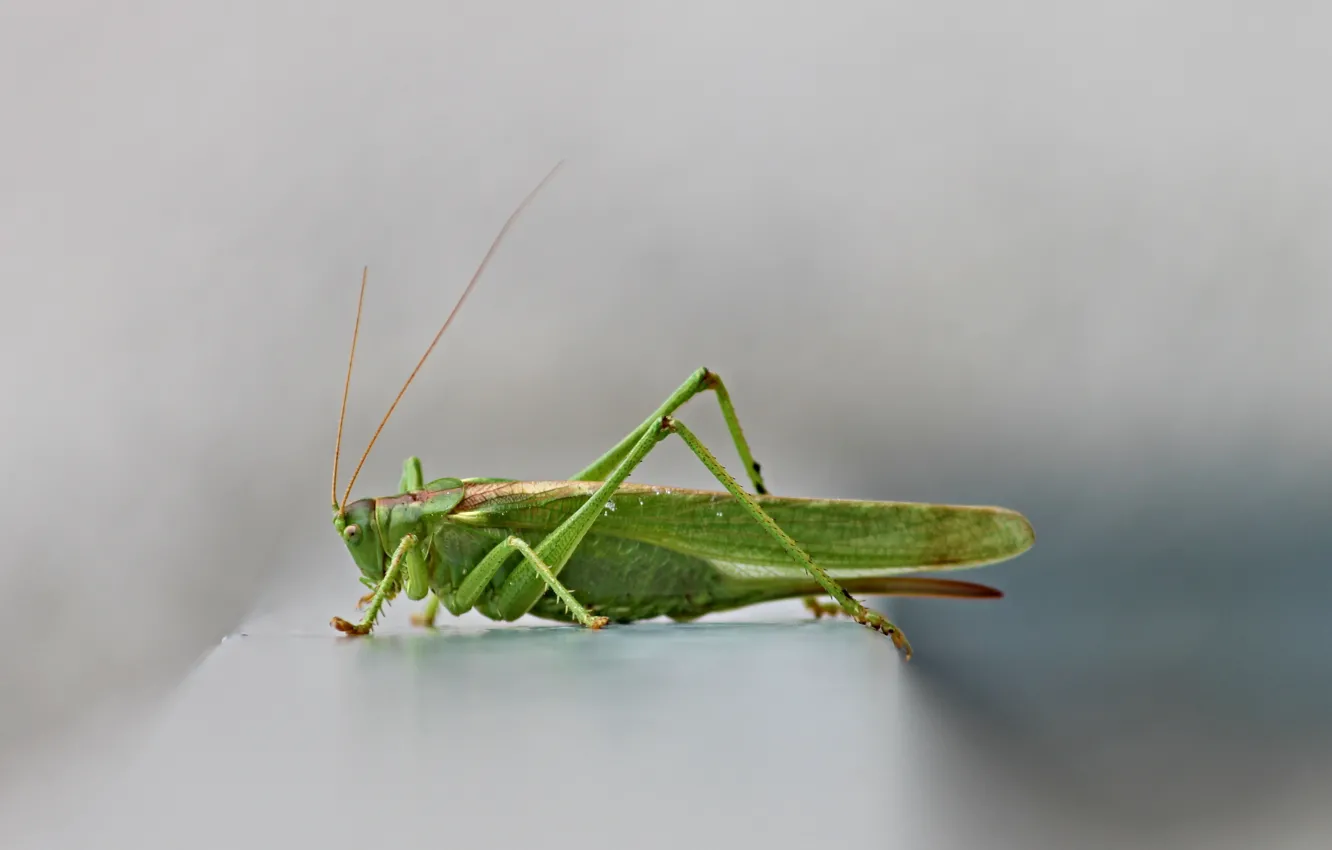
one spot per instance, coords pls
(388, 587)
(413, 480)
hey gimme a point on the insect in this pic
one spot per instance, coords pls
(595, 549)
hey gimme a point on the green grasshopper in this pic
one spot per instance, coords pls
(611, 551)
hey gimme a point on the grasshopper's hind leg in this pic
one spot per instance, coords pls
(844, 600)
(521, 589)
(701, 381)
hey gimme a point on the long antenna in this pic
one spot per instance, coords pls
(468, 291)
(346, 386)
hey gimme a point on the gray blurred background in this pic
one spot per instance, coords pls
(1069, 259)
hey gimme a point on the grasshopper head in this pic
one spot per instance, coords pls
(357, 526)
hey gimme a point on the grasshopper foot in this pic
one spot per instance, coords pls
(364, 600)
(426, 617)
(354, 629)
(820, 609)
(596, 623)
(880, 623)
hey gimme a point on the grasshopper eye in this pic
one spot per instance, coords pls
(351, 533)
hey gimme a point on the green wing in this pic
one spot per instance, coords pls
(846, 537)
